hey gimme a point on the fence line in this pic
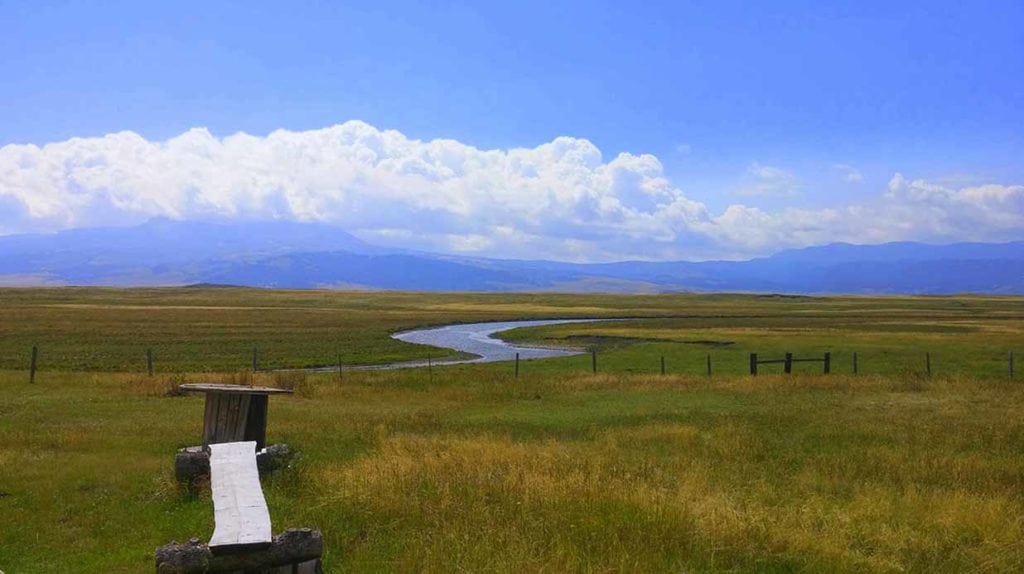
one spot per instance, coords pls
(755, 361)
(788, 361)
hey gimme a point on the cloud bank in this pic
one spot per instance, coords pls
(560, 200)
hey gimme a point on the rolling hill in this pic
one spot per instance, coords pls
(309, 255)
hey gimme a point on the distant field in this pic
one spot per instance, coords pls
(216, 329)
(466, 468)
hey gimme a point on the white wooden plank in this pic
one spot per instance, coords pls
(240, 512)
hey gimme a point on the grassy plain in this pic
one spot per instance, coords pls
(470, 469)
(192, 330)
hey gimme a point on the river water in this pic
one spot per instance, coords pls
(476, 339)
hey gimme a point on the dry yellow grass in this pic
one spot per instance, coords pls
(590, 473)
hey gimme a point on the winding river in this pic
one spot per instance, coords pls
(477, 339)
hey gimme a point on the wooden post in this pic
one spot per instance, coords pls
(855, 362)
(430, 369)
(593, 360)
(1011, 365)
(663, 364)
(709, 364)
(517, 365)
(341, 375)
(928, 363)
(32, 365)
(828, 362)
(149, 361)
(789, 363)
(255, 364)
(753, 363)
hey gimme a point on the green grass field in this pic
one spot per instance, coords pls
(467, 468)
(215, 330)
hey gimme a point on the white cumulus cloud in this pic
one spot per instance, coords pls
(561, 199)
(850, 173)
(769, 181)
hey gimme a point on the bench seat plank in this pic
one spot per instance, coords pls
(241, 517)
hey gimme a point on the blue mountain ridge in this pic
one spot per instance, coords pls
(315, 255)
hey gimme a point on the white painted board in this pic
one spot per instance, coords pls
(240, 512)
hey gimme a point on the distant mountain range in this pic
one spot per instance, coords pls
(308, 255)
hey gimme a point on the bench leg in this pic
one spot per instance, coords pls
(256, 422)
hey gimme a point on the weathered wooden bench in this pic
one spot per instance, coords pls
(242, 541)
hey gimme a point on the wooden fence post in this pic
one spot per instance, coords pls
(32, 365)
(430, 369)
(709, 364)
(663, 364)
(255, 363)
(149, 361)
(753, 363)
(517, 365)
(855, 362)
(593, 360)
(341, 374)
(788, 365)
(928, 363)
(828, 362)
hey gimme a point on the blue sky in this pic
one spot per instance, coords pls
(793, 106)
